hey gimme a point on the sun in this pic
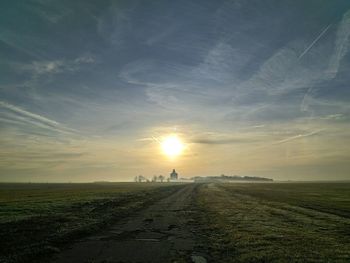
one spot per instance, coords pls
(172, 146)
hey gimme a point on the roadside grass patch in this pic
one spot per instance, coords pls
(272, 223)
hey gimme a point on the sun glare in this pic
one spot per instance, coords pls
(172, 146)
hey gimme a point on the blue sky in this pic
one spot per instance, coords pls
(251, 87)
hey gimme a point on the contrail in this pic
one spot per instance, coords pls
(156, 139)
(314, 42)
(19, 114)
(299, 136)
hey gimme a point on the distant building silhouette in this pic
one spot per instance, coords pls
(173, 175)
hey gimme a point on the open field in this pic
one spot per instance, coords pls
(300, 222)
(253, 222)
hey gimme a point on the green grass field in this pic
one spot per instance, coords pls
(277, 222)
(36, 219)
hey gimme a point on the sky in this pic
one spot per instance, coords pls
(255, 88)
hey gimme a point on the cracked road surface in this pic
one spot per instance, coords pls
(159, 233)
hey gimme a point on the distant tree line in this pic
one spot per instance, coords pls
(226, 178)
(155, 178)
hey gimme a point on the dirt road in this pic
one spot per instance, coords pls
(162, 232)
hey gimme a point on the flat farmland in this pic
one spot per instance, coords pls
(276, 222)
(161, 222)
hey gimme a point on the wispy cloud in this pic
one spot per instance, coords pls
(28, 114)
(337, 116)
(299, 136)
(223, 138)
(342, 44)
(15, 114)
(221, 141)
(41, 67)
